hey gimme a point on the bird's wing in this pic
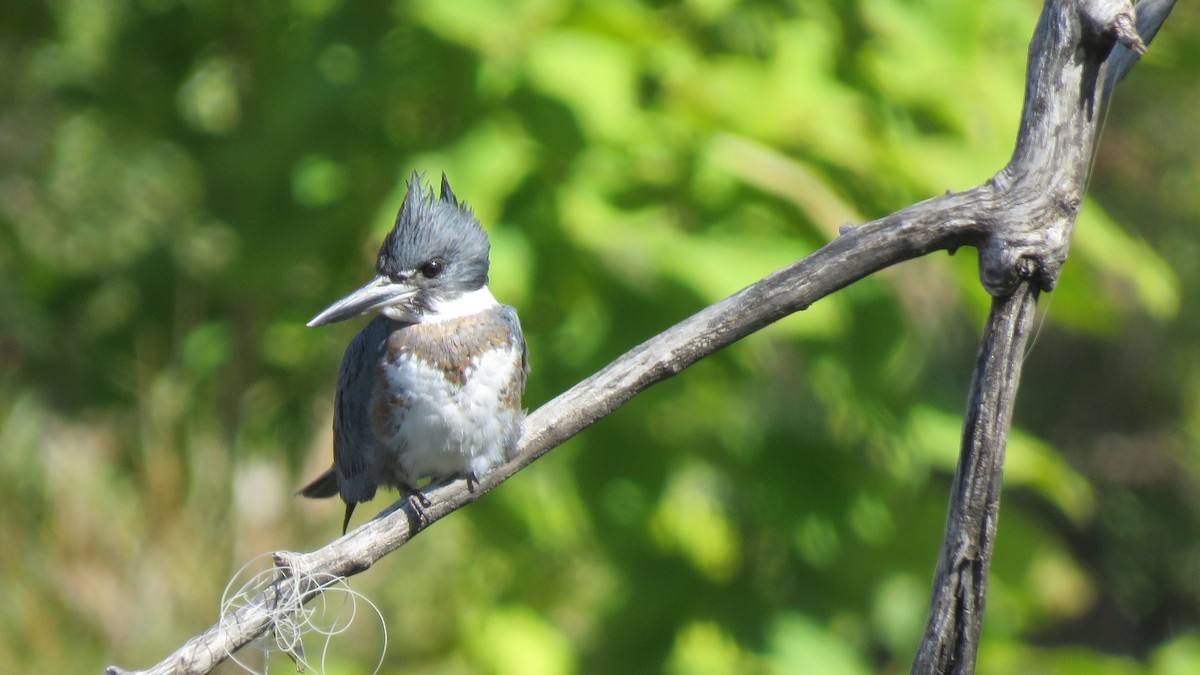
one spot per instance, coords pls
(354, 439)
(518, 338)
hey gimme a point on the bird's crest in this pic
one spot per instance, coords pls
(435, 226)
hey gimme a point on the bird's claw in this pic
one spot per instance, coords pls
(418, 501)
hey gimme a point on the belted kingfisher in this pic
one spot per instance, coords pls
(430, 388)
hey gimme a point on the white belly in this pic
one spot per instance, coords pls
(447, 428)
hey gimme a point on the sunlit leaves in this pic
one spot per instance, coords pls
(517, 640)
(560, 63)
(691, 519)
(209, 100)
(1028, 462)
(318, 181)
(798, 645)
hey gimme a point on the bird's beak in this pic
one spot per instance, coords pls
(380, 292)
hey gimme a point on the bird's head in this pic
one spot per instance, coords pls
(434, 260)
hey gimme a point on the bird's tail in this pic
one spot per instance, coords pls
(325, 485)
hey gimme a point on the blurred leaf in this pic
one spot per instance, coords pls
(1011, 658)
(318, 181)
(702, 648)
(1178, 656)
(207, 348)
(690, 518)
(1030, 462)
(517, 640)
(899, 609)
(1136, 274)
(801, 646)
(592, 74)
(209, 99)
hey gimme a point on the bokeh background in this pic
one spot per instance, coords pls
(183, 183)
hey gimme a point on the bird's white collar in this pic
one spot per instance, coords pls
(466, 304)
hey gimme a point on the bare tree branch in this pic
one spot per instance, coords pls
(1020, 221)
(960, 585)
(1066, 100)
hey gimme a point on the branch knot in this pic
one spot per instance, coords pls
(1114, 21)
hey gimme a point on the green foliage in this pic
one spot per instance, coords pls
(185, 183)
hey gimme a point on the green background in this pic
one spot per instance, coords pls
(183, 183)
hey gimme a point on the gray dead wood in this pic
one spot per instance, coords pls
(1020, 221)
(960, 582)
(1073, 68)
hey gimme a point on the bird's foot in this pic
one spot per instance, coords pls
(418, 501)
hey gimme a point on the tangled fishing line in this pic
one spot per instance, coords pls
(311, 607)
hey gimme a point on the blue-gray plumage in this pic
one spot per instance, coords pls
(432, 387)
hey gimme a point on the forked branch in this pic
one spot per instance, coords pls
(1073, 68)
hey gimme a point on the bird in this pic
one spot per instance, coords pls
(431, 387)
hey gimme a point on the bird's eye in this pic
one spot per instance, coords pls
(432, 268)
